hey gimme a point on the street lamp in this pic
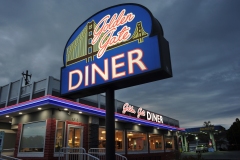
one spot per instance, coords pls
(196, 140)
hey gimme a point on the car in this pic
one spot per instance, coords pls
(201, 149)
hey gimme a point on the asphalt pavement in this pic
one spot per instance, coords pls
(218, 155)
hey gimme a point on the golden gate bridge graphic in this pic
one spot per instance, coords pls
(82, 49)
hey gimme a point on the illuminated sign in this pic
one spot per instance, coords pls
(141, 113)
(118, 47)
(207, 128)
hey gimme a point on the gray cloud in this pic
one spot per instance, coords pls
(204, 41)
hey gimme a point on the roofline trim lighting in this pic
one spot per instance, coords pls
(70, 105)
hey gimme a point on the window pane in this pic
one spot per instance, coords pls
(59, 136)
(156, 142)
(169, 143)
(102, 138)
(137, 141)
(119, 142)
(33, 137)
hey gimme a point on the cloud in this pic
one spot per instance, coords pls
(204, 41)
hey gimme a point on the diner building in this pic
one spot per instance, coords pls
(37, 122)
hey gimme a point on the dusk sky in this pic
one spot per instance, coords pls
(204, 39)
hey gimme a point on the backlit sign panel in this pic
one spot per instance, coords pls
(140, 113)
(118, 47)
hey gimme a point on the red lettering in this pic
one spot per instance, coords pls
(108, 29)
(128, 108)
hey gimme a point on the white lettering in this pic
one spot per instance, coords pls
(104, 74)
(71, 73)
(115, 66)
(137, 60)
(149, 116)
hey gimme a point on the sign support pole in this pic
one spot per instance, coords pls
(110, 124)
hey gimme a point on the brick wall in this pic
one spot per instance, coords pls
(49, 142)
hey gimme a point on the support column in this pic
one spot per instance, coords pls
(186, 143)
(110, 124)
(213, 140)
(93, 127)
(183, 147)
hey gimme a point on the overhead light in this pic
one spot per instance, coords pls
(80, 112)
(103, 132)
(7, 115)
(39, 108)
(116, 119)
(65, 109)
(20, 112)
(139, 124)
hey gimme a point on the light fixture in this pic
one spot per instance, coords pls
(39, 108)
(80, 112)
(7, 115)
(116, 119)
(20, 112)
(139, 124)
(65, 109)
(103, 132)
(101, 137)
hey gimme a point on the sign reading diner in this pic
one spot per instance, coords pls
(112, 49)
(140, 112)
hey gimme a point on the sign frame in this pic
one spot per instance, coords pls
(165, 70)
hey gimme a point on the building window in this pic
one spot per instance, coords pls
(33, 137)
(119, 140)
(169, 143)
(90, 50)
(155, 142)
(90, 41)
(59, 136)
(137, 142)
(90, 27)
(89, 33)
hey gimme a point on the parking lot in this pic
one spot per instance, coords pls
(219, 155)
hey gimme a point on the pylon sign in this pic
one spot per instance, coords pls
(118, 47)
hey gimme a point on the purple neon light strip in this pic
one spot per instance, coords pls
(78, 106)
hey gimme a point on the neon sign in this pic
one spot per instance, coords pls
(112, 49)
(127, 108)
(108, 29)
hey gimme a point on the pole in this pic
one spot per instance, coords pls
(110, 125)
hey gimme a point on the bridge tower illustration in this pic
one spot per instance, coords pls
(82, 49)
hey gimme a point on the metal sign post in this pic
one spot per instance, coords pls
(110, 125)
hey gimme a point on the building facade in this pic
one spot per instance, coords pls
(38, 122)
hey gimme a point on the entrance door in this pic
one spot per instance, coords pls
(74, 136)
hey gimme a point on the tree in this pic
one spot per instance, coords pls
(207, 124)
(233, 134)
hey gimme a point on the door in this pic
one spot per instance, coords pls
(74, 136)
